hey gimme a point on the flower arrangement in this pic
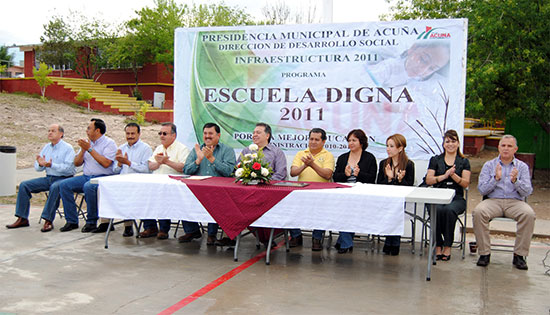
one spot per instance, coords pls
(252, 169)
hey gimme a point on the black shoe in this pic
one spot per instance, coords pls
(484, 260)
(88, 228)
(68, 227)
(445, 257)
(345, 250)
(102, 228)
(519, 262)
(128, 231)
(226, 241)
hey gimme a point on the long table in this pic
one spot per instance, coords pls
(362, 208)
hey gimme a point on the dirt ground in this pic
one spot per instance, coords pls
(24, 121)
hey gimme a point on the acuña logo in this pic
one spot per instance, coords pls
(434, 33)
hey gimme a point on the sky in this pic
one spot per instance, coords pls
(22, 20)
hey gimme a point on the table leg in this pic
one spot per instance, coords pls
(431, 250)
(286, 241)
(268, 250)
(236, 249)
(413, 236)
(108, 232)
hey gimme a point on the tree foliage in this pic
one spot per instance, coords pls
(41, 77)
(150, 36)
(76, 41)
(85, 97)
(6, 58)
(91, 39)
(508, 53)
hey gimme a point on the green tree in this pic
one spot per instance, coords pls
(154, 27)
(85, 97)
(508, 54)
(91, 39)
(6, 58)
(57, 44)
(41, 77)
(127, 52)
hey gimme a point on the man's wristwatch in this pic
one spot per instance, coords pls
(90, 150)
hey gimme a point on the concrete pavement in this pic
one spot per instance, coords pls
(72, 273)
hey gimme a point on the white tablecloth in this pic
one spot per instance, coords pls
(363, 208)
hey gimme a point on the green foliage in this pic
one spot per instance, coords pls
(41, 77)
(152, 32)
(137, 94)
(84, 96)
(508, 54)
(56, 44)
(76, 41)
(140, 114)
(6, 59)
(127, 52)
(92, 38)
(2, 68)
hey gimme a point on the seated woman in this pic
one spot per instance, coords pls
(449, 170)
(397, 169)
(357, 165)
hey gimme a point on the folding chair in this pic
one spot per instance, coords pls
(79, 210)
(461, 219)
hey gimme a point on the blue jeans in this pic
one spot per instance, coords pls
(164, 225)
(318, 234)
(345, 239)
(26, 188)
(192, 227)
(294, 233)
(79, 184)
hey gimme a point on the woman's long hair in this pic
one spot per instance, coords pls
(402, 159)
(453, 135)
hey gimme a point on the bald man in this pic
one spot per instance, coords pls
(56, 158)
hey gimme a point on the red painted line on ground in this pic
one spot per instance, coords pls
(214, 284)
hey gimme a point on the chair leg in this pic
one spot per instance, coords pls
(138, 227)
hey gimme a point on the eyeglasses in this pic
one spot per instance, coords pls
(164, 133)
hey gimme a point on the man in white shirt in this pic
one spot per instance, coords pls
(131, 157)
(168, 158)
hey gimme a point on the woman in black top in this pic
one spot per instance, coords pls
(357, 165)
(449, 170)
(397, 169)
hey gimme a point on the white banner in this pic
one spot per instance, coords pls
(404, 77)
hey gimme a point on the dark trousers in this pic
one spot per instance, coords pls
(446, 221)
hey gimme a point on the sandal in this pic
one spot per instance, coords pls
(445, 257)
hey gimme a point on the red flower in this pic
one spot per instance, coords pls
(256, 166)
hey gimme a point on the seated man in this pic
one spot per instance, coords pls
(274, 156)
(214, 159)
(57, 159)
(168, 158)
(506, 182)
(131, 157)
(314, 164)
(96, 155)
